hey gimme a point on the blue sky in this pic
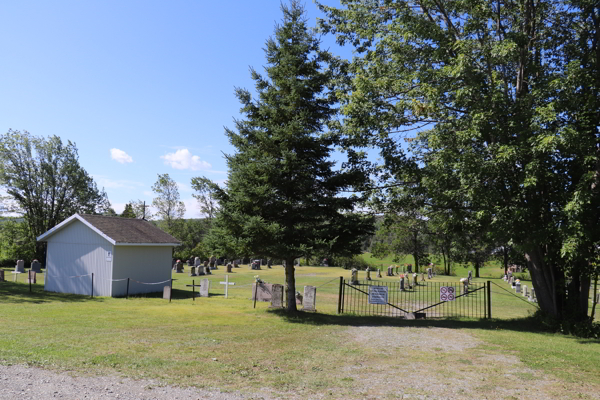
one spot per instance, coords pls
(142, 87)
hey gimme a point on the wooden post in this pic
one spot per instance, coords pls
(340, 295)
(489, 299)
(92, 285)
(127, 293)
(255, 292)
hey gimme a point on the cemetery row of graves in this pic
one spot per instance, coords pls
(399, 292)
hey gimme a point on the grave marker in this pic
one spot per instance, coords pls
(276, 296)
(226, 283)
(204, 287)
(310, 297)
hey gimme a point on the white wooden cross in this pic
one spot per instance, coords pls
(227, 283)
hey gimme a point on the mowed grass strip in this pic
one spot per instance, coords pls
(226, 343)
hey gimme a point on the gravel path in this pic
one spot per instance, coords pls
(21, 382)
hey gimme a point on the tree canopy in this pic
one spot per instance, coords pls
(44, 178)
(504, 101)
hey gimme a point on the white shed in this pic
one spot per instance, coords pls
(112, 249)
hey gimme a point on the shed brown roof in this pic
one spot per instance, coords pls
(129, 230)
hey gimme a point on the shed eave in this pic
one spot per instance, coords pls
(148, 244)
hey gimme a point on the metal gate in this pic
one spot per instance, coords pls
(424, 300)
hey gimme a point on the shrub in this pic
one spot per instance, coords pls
(351, 262)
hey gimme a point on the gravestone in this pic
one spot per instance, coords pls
(525, 292)
(354, 277)
(465, 288)
(167, 292)
(390, 271)
(192, 271)
(36, 266)
(263, 291)
(197, 261)
(415, 279)
(532, 295)
(518, 287)
(200, 270)
(422, 277)
(236, 263)
(190, 262)
(213, 262)
(20, 267)
(378, 273)
(597, 297)
(229, 268)
(204, 287)
(179, 267)
(32, 278)
(402, 283)
(408, 285)
(310, 297)
(505, 278)
(207, 270)
(397, 269)
(269, 263)
(276, 296)
(368, 276)
(429, 273)
(299, 299)
(409, 268)
(470, 276)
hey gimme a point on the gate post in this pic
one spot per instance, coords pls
(340, 295)
(489, 299)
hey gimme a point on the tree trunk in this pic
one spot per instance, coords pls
(444, 257)
(578, 293)
(477, 265)
(290, 284)
(416, 257)
(544, 278)
(594, 294)
(505, 259)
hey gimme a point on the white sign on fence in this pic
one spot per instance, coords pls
(378, 295)
(446, 293)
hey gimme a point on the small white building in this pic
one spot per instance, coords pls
(112, 249)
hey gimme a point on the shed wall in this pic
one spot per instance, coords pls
(149, 264)
(74, 251)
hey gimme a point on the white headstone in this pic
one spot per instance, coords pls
(20, 267)
(310, 298)
(204, 287)
(277, 296)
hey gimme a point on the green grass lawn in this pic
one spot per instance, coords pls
(226, 343)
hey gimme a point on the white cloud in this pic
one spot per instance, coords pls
(183, 159)
(120, 156)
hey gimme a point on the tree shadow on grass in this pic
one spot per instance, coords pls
(18, 293)
(528, 324)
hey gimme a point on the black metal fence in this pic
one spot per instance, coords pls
(424, 300)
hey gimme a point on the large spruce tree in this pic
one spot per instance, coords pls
(283, 192)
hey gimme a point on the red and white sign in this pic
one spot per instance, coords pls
(446, 293)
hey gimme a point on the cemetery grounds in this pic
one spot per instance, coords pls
(223, 346)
